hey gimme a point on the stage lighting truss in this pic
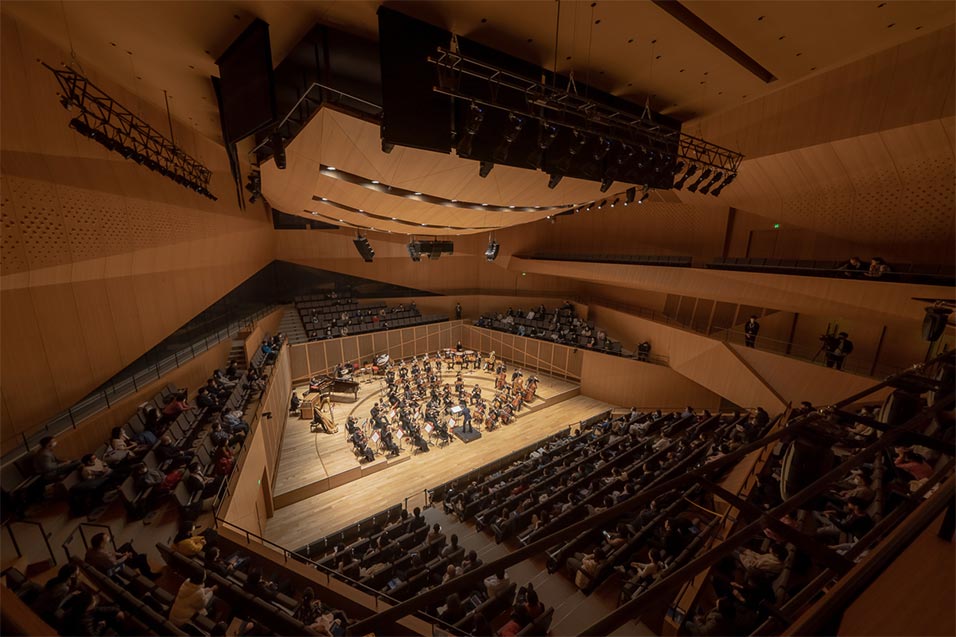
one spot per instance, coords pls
(641, 138)
(104, 120)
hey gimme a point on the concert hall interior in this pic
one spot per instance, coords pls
(525, 317)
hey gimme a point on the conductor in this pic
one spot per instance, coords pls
(466, 415)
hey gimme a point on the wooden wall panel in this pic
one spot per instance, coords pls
(629, 383)
(299, 362)
(27, 385)
(798, 380)
(55, 311)
(94, 318)
(103, 257)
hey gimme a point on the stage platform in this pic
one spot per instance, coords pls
(313, 466)
(311, 463)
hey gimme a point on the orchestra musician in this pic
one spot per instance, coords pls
(531, 389)
(388, 443)
(361, 447)
(516, 402)
(500, 380)
(476, 395)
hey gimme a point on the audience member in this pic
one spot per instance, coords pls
(853, 267)
(47, 465)
(751, 329)
(102, 557)
(55, 592)
(585, 566)
(192, 598)
(83, 616)
(878, 267)
(496, 583)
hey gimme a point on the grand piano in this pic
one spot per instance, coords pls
(328, 385)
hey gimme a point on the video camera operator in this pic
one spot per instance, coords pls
(837, 348)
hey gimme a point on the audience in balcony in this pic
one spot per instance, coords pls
(561, 325)
(912, 463)
(767, 564)
(55, 592)
(122, 449)
(47, 465)
(192, 598)
(83, 615)
(496, 583)
(878, 267)
(719, 621)
(101, 556)
(585, 566)
(853, 267)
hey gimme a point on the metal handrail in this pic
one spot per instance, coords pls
(39, 525)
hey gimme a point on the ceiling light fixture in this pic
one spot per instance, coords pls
(703, 176)
(683, 180)
(629, 195)
(713, 182)
(729, 180)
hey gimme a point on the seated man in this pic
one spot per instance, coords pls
(102, 557)
(167, 450)
(47, 465)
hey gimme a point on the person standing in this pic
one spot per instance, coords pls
(751, 329)
(457, 311)
(838, 349)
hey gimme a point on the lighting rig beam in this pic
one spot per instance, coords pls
(104, 120)
(572, 111)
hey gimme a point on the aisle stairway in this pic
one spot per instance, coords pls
(291, 326)
(573, 611)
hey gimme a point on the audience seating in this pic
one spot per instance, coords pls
(931, 274)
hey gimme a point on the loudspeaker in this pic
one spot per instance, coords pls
(934, 323)
(803, 463)
(899, 407)
(364, 248)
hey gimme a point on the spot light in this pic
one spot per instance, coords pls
(704, 176)
(683, 180)
(710, 184)
(603, 147)
(484, 168)
(730, 178)
(601, 205)
(606, 184)
(629, 195)
(614, 203)
(516, 123)
(554, 181)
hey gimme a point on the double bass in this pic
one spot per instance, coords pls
(531, 389)
(501, 380)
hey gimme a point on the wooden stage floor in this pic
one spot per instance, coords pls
(321, 487)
